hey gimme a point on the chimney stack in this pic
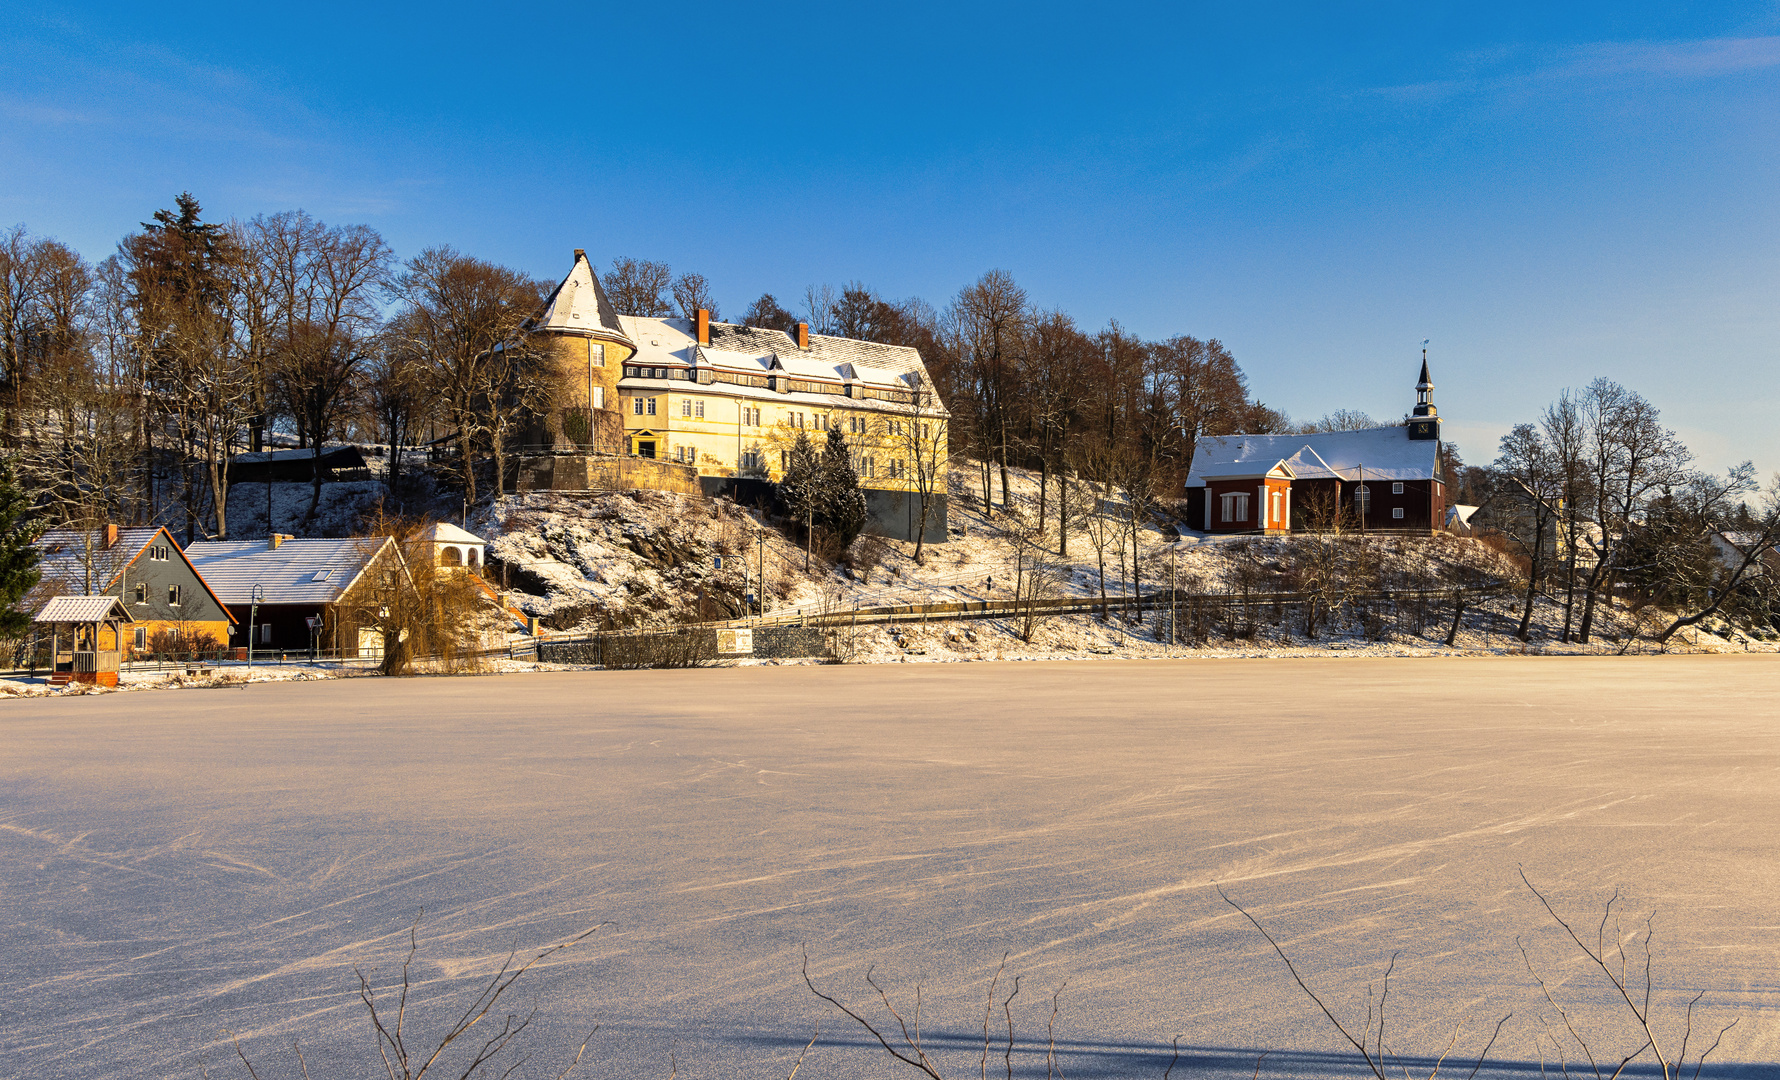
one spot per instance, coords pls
(704, 326)
(803, 335)
(580, 253)
(110, 535)
(275, 539)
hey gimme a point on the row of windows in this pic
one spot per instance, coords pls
(173, 594)
(694, 408)
(784, 384)
(865, 465)
(1235, 504)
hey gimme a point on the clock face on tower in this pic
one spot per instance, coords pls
(1422, 429)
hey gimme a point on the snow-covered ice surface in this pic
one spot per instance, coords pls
(175, 867)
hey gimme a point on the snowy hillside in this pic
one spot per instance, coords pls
(647, 559)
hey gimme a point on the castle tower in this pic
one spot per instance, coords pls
(1424, 422)
(579, 331)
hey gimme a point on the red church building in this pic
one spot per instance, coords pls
(1383, 479)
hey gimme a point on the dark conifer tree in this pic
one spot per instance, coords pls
(842, 510)
(18, 559)
(801, 488)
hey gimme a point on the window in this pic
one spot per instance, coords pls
(685, 406)
(1397, 489)
(871, 466)
(596, 353)
(651, 410)
(1235, 507)
(784, 459)
(636, 406)
(265, 633)
(599, 397)
(1363, 499)
(1396, 511)
(173, 596)
(141, 593)
(142, 637)
(698, 408)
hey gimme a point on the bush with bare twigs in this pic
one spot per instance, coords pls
(405, 1059)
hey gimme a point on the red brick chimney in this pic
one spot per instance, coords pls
(580, 253)
(704, 326)
(803, 335)
(110, 535)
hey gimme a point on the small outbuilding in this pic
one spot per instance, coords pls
(92, 629)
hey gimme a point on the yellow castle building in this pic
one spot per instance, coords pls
(694, 405)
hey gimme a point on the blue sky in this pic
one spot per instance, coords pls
(1549, 192)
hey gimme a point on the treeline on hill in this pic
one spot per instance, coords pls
(127, 387)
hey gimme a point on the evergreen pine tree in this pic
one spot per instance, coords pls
(18, 559)
(842, 511)
(800, 490)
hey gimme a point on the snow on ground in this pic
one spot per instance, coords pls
(341, 512)
(622, 559)
(179, 867)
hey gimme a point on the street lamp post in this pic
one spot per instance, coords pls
(253, 611)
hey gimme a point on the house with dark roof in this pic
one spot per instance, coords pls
(1382, 479)
(146, 569)
(335, 463)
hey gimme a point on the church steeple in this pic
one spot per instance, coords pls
(1424, 422)
(1424, 389)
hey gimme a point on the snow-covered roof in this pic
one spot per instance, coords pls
(670, 343)
(1384, 453)
(83, 609)
(62, 555)
(446, 533)
(295, 572)
(579, 304)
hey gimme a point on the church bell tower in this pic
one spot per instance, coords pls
(1424, 423)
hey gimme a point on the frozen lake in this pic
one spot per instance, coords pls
(179, 865)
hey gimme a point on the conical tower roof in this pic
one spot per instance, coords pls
(1425, 383)
(579, 306)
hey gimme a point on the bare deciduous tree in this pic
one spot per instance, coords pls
(639, 287)
(692, 293)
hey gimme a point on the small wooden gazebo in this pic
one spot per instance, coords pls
(92, 627)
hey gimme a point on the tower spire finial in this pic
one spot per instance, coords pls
(1424, 387)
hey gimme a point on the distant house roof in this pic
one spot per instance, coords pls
(338, 456)
(83, 609)
(295, 572)
(335, 462)
(1384, 453)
